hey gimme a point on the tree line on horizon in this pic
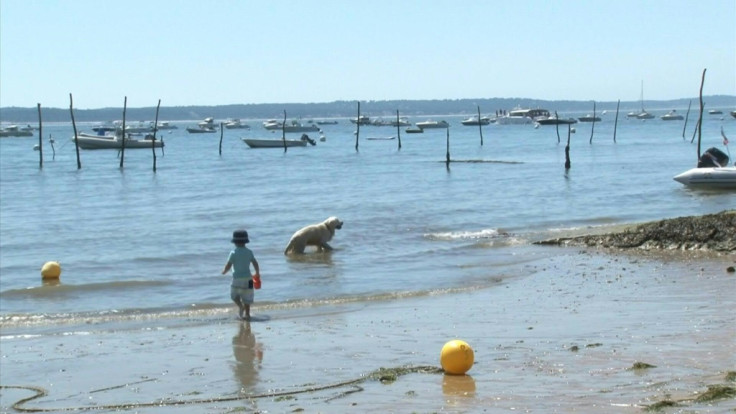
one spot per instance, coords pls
(341, 109)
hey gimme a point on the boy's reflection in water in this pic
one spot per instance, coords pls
(248, 356)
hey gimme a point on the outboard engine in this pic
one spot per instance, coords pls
(713, 157)
(305, 137)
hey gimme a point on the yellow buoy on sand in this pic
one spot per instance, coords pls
(456, 357)
(51, 270)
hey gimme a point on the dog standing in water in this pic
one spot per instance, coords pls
(314, 235)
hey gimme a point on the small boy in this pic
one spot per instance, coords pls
(240, 259)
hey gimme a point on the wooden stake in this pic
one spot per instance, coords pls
(687, 116)
(557, 127)
(40, 139)
(615, 123)
(567, 149)
(283, 131)
(74, 125)
(357, 132)
(221, 132)
(153, 142)
(122, 147)
(480, 127)
(592, 126)
(447, 155)
(398, 127)
(700, 117)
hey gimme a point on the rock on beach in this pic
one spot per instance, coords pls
(712, 232)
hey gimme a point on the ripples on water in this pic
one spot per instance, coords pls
(131, 241)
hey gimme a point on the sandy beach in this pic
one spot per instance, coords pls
(579, 330)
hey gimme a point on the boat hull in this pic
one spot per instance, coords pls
(273, 143)
(713, 177)
(90, 142)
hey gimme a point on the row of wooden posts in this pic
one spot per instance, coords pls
(448, 160)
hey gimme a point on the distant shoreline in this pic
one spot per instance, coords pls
(349, 109)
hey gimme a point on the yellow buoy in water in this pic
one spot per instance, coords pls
(51, 270)
(456, 357)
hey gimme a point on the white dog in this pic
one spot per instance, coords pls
(314, 235)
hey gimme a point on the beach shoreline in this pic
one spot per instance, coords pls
(565, 337)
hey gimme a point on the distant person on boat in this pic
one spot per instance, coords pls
(239, 260)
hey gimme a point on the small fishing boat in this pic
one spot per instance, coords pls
(95, 142)
(672, 116)
(712, 171)
(432, 124)
(235, 123)
(279, 143)
(414, 130)
(474, 120)
(554, 120)
(589, 118)
(16, 131)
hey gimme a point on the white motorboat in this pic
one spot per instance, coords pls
(361, 120)
(710, 177)
(236, 124)
(293, 126)
(644, 115)
(429, 124)
(672, 116)
(16, 131)
(93, 142)
(274, 143)
(589, 118)
(519, 116)
(712, 171)
(474, 120)
(166, 125)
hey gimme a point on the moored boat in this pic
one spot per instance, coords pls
(589, 118)
(474, 120)
(519, 116)
(712, 171)
(16, 131)
(95, 142)
(279, 143)
(429, 124)
(672, 116)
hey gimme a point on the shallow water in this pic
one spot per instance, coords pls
(132, 242)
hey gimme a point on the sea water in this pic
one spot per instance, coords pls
(134, 243)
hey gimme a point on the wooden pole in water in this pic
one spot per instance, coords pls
(567, 149)
(40, 139)
(357, 132)
(122, 147)
(687, 116)
(283, 131)
(74, 125)
(695, 131)
(398, 127)
(700, 117)
(615, 123)
(480, 127)
(221, 132)
(557, 127)
(592, 126)
(153, 141)
(447, 155)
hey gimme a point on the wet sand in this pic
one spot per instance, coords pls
(561, 333)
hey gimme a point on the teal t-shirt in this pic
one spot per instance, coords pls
(241, 258)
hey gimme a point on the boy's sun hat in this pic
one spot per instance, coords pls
(240, 236)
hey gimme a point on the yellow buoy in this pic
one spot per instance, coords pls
(51, 270)
(456, 357)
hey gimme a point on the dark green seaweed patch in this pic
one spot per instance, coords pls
(642, 365)
(661, 405)
(716, 392)
(731, 376)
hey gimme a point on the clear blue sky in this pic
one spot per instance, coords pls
(218, 52)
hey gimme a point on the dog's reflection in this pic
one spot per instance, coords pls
(248, 356)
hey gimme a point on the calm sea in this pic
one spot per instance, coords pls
(133, 243)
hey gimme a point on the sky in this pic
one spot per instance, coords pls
(220, 52)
